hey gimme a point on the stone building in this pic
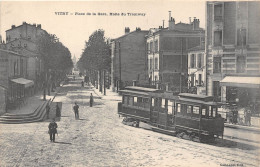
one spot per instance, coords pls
(13, 71)
(23, 39)
(232, 50)
(197, 70)
(167, 51)
(128, 54)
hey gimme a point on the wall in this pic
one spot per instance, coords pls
(2, 100)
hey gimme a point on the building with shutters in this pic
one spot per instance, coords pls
(233, 52)
(128, 55)
(167, 52)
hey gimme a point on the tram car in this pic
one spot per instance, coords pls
(195, 116)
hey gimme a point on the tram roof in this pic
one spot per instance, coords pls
(196, 97)
(143, 89)
(134, 92)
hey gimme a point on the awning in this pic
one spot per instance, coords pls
(27, 83)
(241, 81)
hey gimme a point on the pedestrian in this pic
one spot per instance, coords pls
(52, 130)
(91, 100)
(76, 110)
(58, 114)
(82, 83)
(47, 110)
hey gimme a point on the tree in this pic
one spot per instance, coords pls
(95, 56)
(56, 59)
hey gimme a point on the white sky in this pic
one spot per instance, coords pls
(74, 30)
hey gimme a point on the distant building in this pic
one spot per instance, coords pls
(128, 54)
(233, 52)
(197, 70)
(167, 51)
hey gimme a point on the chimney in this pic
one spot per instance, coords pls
(190, 19)
(34, 24)
(39, 26)
(163, 24)
(171, 24)
(127, 30)
(196, 24)
(170, 15)
(138, 29)
(13, 26)
(24, 22)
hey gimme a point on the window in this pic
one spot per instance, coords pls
(192, 61)
(196, 110)
(170, 107)
(241, 37)
(203, 112)
(140, 102)
(156, 64)
(163, 103)
(218, 38)
(151, 64)
(200, 76)
(156, 46)
(135, 101)
(199, 60)
(218, 12)
(192, 80)
(241, 64)
(153, 104)
(125, 100)
(146, 103)
(131, 101)
(216, 90)
(189, 109)
(216, 64)
(179, 108)
(151, 47)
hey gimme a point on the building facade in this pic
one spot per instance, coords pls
(197, 70)
(128, 54)
(232, 49)
(167, 52)
(13, 71)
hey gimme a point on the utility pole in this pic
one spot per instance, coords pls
(119, 49)
(104, 80)
(181, 65)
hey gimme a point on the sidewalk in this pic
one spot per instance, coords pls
(32, 103)
(248, 128)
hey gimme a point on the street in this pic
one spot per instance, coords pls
(99, 138)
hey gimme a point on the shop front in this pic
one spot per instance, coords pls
(19, 90)
(241, 99)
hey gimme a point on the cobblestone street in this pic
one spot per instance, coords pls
(99, 138)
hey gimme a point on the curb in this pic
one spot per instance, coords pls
(247, 128)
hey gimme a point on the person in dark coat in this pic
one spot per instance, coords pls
(47, 110)
(76, 110)
(91, 100)
(82, 83)
(52, 130)
(58, 114)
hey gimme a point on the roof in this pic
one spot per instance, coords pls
(241, 81)
(134, 92)
(144, 31)
(142, 89)
(23, 81)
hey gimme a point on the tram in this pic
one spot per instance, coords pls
(186, 114)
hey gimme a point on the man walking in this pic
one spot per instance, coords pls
(91, 100)
(47, 110)
(76, 110)
(52, 130)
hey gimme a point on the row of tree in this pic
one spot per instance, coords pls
(56, 59)
(95, 58)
